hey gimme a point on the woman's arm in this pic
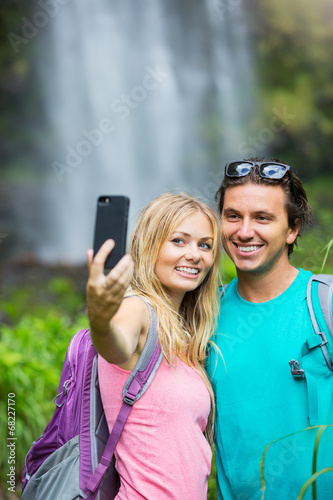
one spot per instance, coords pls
(115, 324)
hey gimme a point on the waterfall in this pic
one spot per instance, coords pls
(140, 98)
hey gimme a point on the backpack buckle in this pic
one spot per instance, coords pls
(323, 338)
(295, 369)
(55, 400)
(63, 393)
(129, 399)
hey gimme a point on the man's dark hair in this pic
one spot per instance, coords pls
(298, 210)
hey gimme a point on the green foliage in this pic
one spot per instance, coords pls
(31, 358)
(314, 250)
(227, 269)
(211, 494)
(32, 351)
(291, 43)
(59, 295)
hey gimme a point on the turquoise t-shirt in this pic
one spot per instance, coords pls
(259, 401)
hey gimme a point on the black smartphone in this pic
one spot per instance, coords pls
(111, 222)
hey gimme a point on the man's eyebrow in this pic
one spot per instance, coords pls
(229, 209)
(264, 212)
(256, 212)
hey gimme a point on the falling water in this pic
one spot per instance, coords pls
(140, 98)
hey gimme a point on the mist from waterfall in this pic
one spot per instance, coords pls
(140, 98)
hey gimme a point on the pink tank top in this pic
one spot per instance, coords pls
(162, 452)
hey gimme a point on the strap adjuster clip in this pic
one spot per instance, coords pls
(129, 399)
(323, 338)
(295, 369)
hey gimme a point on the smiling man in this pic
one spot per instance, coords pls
(264, 322)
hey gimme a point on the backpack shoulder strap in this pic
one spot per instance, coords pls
(147, 365)
(136, 385)
(222, 289)
(319, 301)
(319, 293)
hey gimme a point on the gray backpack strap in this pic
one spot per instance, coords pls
(99, 434)
(222, 289)
(146, 356)
(319, 301)
(325, 295)
(136, 385)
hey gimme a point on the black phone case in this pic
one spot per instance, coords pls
(111, 222)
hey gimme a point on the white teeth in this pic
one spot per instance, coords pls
(188, 270)
(248, 249)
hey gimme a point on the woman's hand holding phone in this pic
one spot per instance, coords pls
(105, 293)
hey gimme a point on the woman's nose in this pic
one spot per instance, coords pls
(193, 253)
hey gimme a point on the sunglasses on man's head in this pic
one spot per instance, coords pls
(266, 169)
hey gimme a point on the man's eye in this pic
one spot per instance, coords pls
(262, 218)
(232, 217)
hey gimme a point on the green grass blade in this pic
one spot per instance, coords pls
(262, 471)
(327, 248)
(312, 480)
(314, 462)
(319, 434)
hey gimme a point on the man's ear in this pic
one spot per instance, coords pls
(293, 232)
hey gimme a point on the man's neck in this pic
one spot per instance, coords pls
(262, 287)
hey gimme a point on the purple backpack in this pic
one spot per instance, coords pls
(74, 459)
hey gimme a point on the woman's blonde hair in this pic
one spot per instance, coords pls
(187, 331)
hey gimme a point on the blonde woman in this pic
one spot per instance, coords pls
(172, 265)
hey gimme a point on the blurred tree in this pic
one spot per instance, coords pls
(14, 70)
(292, 43)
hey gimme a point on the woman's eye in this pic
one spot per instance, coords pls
(178, 241)
(207, 246)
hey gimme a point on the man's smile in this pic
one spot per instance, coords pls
(247, 248)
